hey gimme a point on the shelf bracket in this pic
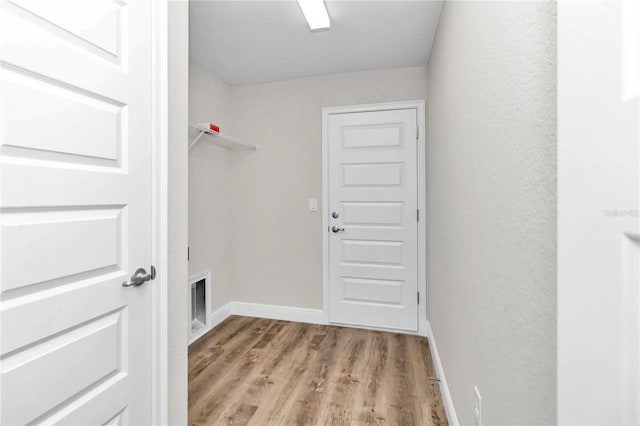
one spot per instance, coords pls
(195, 141)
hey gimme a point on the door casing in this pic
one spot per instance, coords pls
(160, 208)
(420, 107)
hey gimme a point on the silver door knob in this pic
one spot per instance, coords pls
(337, 229)
(139, 277)
(335, 215)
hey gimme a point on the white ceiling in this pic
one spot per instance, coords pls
(245, 42)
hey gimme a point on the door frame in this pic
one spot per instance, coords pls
(420, 107)
(160, 208)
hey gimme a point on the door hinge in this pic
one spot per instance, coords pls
(188, 253)
(418, 215)
(417, 132)
(418, 298)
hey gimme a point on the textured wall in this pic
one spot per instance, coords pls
(178, 37)
(492, 207)
(277, 242)
(210, 185)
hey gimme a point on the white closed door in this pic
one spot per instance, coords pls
(373, 245)
(76, 215)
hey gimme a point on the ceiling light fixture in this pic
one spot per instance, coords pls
(315, 12)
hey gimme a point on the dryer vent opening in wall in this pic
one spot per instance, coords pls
(199, 301)
(198, 306)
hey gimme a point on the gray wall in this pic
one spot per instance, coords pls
(211, 186)
(492, 207)
(177, 216)
(277, 242)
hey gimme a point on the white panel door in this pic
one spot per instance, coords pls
(373, 245)
(76, 158)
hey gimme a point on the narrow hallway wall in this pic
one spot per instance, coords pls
(492, 203)
(210, 185)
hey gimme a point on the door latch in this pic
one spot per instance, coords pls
(140, 277)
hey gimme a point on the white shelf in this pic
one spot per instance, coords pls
(199, 133)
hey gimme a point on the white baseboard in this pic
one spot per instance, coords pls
(220, 314)
(289, 313)
(257, 310)
(444, 388)
(286, 313)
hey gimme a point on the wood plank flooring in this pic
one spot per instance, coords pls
(267, 372)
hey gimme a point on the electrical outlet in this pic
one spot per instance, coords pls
(477, 411)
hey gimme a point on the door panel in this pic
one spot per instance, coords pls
(28, 100)
(102, 30)
(374, 252)
(38, 379)
(378, 214)
(373, 290)
(89, 239)
(372, 175)
(75, 215)
(373, 189)
(99, 26)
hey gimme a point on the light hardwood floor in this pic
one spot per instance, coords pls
(263, 372)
